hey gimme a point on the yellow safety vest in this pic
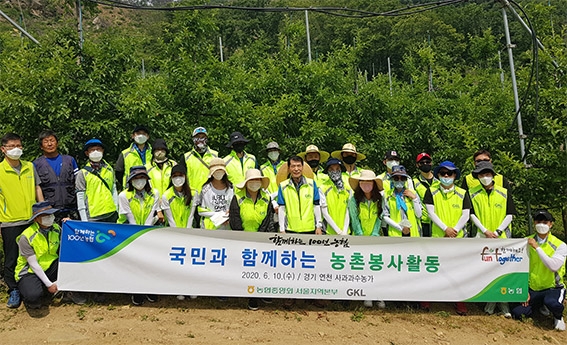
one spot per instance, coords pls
(268, 170)
(235, 169)
(299, 208)
(46, 250)
(541, 277)
(132, 158)
(160, 178)
(198, 167)
(490, 209)
(449, 208)
(474, 182)
(179, 210)
(252, 213)
(141, 209)
(396, 215)
(99, 196)
(17, 192)
(421, 188)
(337, 202)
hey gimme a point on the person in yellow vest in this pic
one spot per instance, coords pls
(97, 197)
(334, 199)
(492, 212)
(238, 161)
(139, 153)
(365, 210)
(470, 182)
(197, 160)
(36, 268)
(159, 171)
(547, 271)
(349, 156)
(314, 158)
(213, 203)
(177, 201)
(19, 190)
(402, 206)
(422, 183)
(271, 167)
(449, 209)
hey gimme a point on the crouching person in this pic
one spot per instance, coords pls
(36, 268)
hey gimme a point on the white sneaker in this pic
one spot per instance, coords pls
(489, 308)
(505, 309)
(193, 296)
(381, 304)
(559, 324)
(180, 297)
(368, 304)
(544, 311)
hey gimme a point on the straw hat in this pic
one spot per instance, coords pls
(365, 175)
(348, 147)
(216, 164)
(283, 173)
(323, 155)
(253, 174)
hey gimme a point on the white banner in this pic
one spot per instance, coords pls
(108, 257)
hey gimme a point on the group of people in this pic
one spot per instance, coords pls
(312, 192)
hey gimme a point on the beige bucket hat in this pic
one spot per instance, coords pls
(324, 155)
(348, 147)
(365, 175)
(216, 164)
(253, 174)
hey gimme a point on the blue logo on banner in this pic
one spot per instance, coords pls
(85, 241)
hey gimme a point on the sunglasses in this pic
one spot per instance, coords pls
(446, 173)
(399, 178)
(424, 162)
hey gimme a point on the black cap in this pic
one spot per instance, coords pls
(159, 144)
(543, 215)
(236, 137)
(391, 155)
(483, 166)
(331, 162)
(179, 168)
(141, 128)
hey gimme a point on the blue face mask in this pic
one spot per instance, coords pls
(446, 181)
(399, 184)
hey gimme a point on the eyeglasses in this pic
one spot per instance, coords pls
(399, 178)
(481, 160)
(446, 173)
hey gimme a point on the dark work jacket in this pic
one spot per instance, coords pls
(60, 191)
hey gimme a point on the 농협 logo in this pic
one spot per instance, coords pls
(102, 237)
(250, 289)
(497, 255)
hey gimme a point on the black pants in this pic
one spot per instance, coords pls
(32, 288)
(426, 230)
(11, 253)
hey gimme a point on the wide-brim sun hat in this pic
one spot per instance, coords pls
(283, 173)
(237, 137)
(138, 170)
(42, 208)
(483, 166)
(366, 175)
(254, 174)
(449, 166)
(215, 165)
(348, 147)
(323, 155)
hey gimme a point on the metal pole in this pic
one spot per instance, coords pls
(308, 36)
(220, 48)
(390, 75)
(19, 28)
(80, 23)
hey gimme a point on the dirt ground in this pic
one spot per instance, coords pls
(206, 320)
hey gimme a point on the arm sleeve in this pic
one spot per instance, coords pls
(506, 222)
(386, 216)
(555, 262)
(281, 218)
(346, 223)
(36, 268)
(115, 194)
(463, 220)
(478, 224)
(354, 219)
(417, 206)
(167, 211)
(317, 211)
(330, 222)
(234, 215)
(82, 206)
(433, 216)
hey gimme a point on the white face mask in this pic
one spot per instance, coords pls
(178, 181)
(95, 156)
(542, 228)
(254, 185)
(273, 155)
(140, 139)
(391, 164)
(486, 180)
(218, 175)
(14, 153)
(47, 221)
(159, 155)
(139, 183)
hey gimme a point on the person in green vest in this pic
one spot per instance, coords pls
(197, 160)
(238, 161)
(547, 271)
(349, 156)
(492, 212)
(139, 153)
(365, 210)
(97, 197)
(449, 209)
(213, 202)
(159, 171)
(422, 183)
(19, 190)
(314, 158)
(251, 209)
(402, 207)
(271, 167)
(334, 199)
(177, 201)
(36, 268)
(470, 181)
(391, 159)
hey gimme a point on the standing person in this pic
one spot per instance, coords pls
(334, 199)
(492, 212)
(449, 209)
(159, 171)
(271, 167)
(238, 161)
(97, 197)
(57, 174)
(198, 159)
(177, 201)
(365, 210)
(19, 190)
(349, 156)
(470, 181)
(422, 183)
(139, 153)
(547, 269)
(36, 269)
(402, 207)
(213, 203)
(251, 210)
(391, 159)
(314, 158)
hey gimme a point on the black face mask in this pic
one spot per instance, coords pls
(349, 159)
(425, 168)
(238, 148)
(314, 163)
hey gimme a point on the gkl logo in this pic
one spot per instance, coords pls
(494, 255)
(102, 237)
